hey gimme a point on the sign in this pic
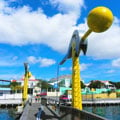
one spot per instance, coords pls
(55, 85)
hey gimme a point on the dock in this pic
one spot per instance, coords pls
(49, 108)
(116, 101)
(101, 101)
(10, 101)
(32, 112)
(44, 111)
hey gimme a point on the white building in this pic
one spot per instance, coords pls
(63, 81)
(32, 82)
(108, 85)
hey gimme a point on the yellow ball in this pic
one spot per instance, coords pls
(100, 19)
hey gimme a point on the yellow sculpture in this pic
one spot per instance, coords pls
(26, 77)
(99, 20)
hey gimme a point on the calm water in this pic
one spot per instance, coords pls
(7, 114)
(109, 112)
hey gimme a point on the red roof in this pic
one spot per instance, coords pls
(61, 77)
(14, 80)
(30, 80)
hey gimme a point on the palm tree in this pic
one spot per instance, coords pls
(44, 85)
(14, 86)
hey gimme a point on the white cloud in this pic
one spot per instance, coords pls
(68, 5)
(116, 63)
(83, 67)
(44, 62)
(8, 61)
(4, 8)
(105, 45)
(22, 26)
(10, 76)
(63, 69)
(32, 59)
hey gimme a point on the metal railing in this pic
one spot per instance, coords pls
(69, 113)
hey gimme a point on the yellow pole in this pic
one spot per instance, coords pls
(25, 87)
(99, 20)
(86, 34)
(76, 82)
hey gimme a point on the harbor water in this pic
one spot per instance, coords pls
(109, 112)
(7, 114)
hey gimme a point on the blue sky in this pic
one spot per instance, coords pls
(39, 32)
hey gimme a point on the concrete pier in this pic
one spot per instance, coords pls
(10, 101)
(32, 111)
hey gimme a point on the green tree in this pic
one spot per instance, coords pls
(39, 84)
(96, 84)
(14, 86)
(82, 84)
(4, 86)
(44, 85)
(117, 84)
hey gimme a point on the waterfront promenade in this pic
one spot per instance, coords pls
(53, 100)
(100, 101)
(10, 101)
(33, 112)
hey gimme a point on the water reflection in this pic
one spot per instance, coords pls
(109, 112)
(7, 114)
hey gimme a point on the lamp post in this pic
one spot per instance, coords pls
(99, 20)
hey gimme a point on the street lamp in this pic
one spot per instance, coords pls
(99, 20)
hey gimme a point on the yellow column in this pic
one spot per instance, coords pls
(25, 87)
(76, 84)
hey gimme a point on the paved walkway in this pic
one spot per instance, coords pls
(34, 113)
